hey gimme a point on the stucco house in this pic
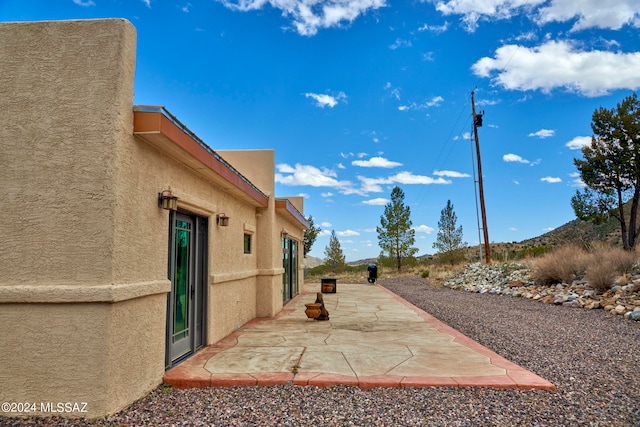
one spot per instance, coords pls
(127, 242)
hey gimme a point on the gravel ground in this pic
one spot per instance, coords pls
(592, 357)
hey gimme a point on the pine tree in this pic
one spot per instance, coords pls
(310, 235)
(449, 240)
(395, 235)
(610, 170)
(333, 253)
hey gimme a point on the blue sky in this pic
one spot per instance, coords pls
(357, 96)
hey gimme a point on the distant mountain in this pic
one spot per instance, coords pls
(363, 261)
(582, 232)
(573, 232)
(311, 261)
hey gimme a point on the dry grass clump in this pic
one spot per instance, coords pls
(601, 265)
(606, 265)
(434, 274)
(560, 266)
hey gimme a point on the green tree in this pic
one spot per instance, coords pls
(395, 235)
(611, 169)
(449, 241)
(310, 235)
(334, 258)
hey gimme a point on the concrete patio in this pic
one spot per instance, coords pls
(373, 339)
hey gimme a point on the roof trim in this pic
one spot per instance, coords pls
(158, 127)
(287, 206)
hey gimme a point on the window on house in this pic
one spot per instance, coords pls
(247, 243)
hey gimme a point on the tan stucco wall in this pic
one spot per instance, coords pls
(68, 276)
(83, 294)
(257, 165)
(55, 353)
(57, 174)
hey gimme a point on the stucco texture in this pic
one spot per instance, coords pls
(83, 290)
(66, 293)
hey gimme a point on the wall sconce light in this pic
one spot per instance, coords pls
(222, 220)
(284, 233)
(167, 200)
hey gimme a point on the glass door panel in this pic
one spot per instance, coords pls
(181, 281)
(188, 272)
(290, 265)
(286, 286)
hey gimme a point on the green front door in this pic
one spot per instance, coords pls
(290, 265)
(187, 272)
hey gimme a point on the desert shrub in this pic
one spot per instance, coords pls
(560, 266)
(534, 251)
(621, 260)
(453, 257)
(424, 274)
(601, 275)
(607, 264)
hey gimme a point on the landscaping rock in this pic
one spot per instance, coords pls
(513, 278)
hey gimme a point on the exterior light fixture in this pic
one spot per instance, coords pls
(167, 200)
(222, 220)
(284, 233)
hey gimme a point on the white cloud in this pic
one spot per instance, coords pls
(380, 201)
(410, 178)
(400, 43)
(327, 194)
(341, 166)
(577, 180)
(435, 28)
(578, 142)
(394, 91)
(304, 195)
(84, 3)
(514, 158)
(185, 8)
(374, 185)
(513, 229)
(483, 102)
(543, 133)
(325, 224)
(376, 162)
(424, 229)
(309, 16)
(309, 175)
(432, 102)
(561, 64)
(473, 11)
(324, 233)
(611, 14)
(451, 174)
(347, 233)
(465, 136)
(427, 56)
(326, 100)
(147, 3)
(551, 179)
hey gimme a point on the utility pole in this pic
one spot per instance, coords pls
(477, 122)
